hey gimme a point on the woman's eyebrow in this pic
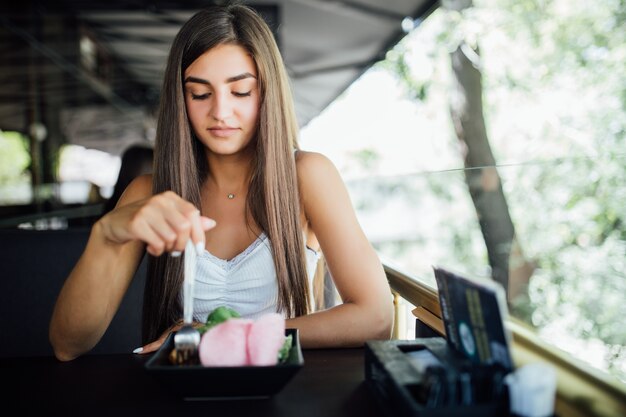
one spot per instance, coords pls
(242, 76)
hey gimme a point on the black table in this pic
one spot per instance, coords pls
(331, 383)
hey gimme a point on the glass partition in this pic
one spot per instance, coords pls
(491, 141)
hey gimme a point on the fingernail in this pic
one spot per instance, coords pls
(175, 254)
(138, 350)
(200, 248)
(207, 223)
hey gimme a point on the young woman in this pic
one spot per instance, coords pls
(228, 174)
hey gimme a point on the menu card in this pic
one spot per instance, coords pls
(473, 312)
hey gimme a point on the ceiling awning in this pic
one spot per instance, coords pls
(78, 56)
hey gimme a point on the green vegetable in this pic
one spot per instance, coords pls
(217, 316)
(283, 353)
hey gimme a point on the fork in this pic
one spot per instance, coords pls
(187, 338)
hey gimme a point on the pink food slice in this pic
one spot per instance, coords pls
(225, 344)
(265, 338)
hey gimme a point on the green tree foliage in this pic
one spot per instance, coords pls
(555, 105)
(14, 157)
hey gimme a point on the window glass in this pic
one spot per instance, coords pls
(85, 172)
(82, 172)
(15, 181)
(520, 176)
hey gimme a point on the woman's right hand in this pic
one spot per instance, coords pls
(164, 222)
(155, 345)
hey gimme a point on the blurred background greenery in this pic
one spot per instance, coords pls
(552, 79)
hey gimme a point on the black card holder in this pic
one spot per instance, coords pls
(427, 378)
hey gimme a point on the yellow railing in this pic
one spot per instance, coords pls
(581, 390)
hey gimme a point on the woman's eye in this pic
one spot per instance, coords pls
(199, 96)
(239, 94)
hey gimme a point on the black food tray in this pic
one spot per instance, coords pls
(237, 382)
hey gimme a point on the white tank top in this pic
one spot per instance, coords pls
(247, 283)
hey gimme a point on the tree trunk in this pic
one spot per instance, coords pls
(482, 177)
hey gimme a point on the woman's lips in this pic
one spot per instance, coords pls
(223, 132)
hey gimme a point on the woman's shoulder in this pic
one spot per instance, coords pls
(308, 163)
(316, 173)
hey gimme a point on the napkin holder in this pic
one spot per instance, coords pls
(461, 375)
(427, 378)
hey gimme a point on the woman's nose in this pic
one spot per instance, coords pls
(222, 107)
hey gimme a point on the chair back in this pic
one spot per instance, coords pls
(33, 267)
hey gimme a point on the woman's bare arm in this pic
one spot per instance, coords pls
(367, 308)
(94, 289)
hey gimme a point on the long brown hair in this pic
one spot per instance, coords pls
(181, 166)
